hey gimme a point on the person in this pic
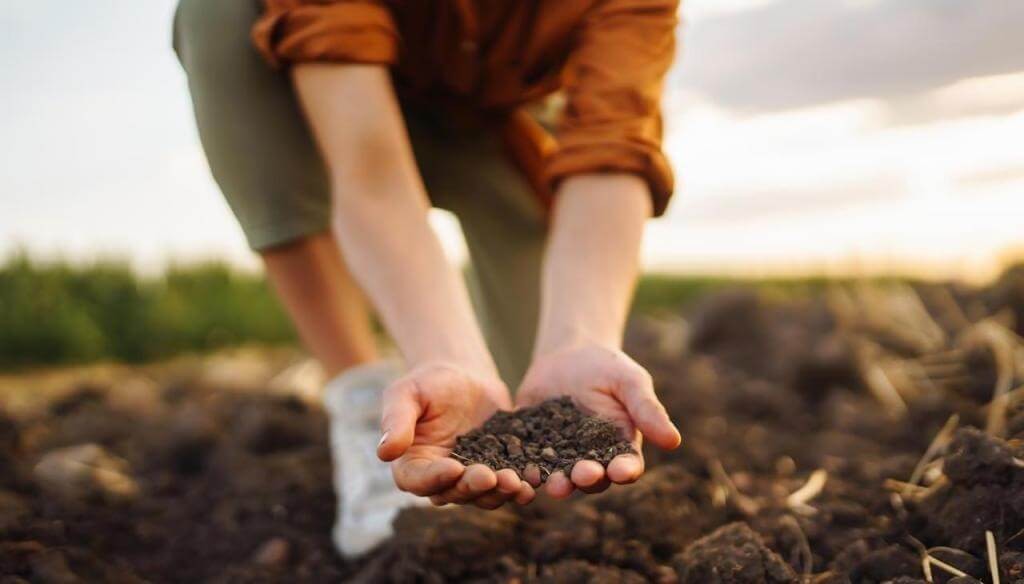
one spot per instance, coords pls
(332, 127)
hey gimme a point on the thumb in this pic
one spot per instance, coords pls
(647, 413)
(401, 410)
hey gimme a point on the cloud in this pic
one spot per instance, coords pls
(997, 95)
(738, 205)
(798, 53)
(998, 176)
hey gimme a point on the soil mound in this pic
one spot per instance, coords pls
(732, 554)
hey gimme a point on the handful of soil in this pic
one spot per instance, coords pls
(554, 435)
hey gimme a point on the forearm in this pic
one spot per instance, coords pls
(420, 297)
(591, 263)
(380, 217)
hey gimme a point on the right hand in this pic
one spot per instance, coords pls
(423, 414)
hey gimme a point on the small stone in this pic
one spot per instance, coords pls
(513, 445)
(490, 442)
(549, 454)
(666, 575)
(83, 471)
(273, 553)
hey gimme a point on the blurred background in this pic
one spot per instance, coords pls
(811, 139)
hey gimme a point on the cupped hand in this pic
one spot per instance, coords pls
(423, 413)
(604, 382)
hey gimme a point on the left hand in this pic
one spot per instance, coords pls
(602, 381)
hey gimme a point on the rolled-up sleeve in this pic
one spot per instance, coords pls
(344, 31)
(612, 118)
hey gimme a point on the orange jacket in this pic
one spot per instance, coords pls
(495, 56)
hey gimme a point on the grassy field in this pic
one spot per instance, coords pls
(58, 313)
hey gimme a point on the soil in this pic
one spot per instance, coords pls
(733, 553)
(553, 435)
(795, 466)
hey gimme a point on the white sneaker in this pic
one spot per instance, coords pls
(368, 499)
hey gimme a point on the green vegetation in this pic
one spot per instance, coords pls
(57, 313)
(658, 292)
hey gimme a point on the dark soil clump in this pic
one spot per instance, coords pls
(976, 458)
(553, 435)
(733, 554)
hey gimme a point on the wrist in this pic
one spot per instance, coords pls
(483, 378)
(474, 362)
(568, 338)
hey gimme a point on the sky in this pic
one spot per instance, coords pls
(807, 136)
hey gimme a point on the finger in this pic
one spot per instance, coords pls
(598, 487)
(647, 413)
(587, 473)
(507, 488)
(532, 474)
(450, 497)
(625, 468)
(476, 481)
(491, 501)
(426, 476)
(559, 486)
(401, 410)
(508, 482)
(480, 478)
(526, 494)
(454, 496)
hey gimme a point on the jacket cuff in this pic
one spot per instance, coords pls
(648, 163)
(291, 31)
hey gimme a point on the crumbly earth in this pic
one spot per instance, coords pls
(553, 435)
(733, 553)
(234, 484)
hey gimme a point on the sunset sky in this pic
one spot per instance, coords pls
(830, 136)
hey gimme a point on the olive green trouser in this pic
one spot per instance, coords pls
(262, 156)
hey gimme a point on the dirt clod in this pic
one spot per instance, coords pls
(733, 554)
(554, 435)
(273, 553)
(977, 458)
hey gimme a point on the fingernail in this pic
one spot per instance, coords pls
(383, 439)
